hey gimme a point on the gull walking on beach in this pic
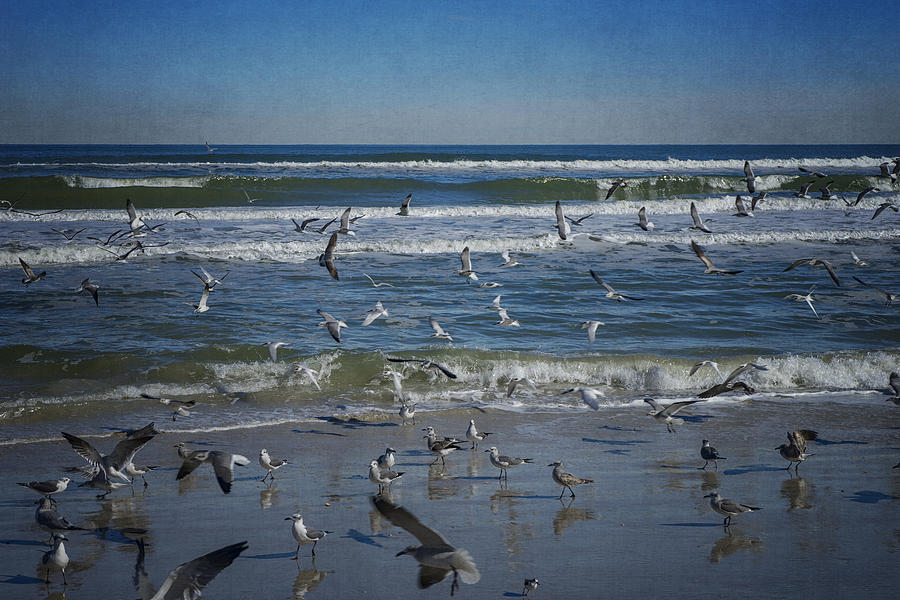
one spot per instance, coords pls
(530, 584)
(305, 535)
(795, 450)
(56, 558)
(382, 476)
(187, 580)
(666, 414)
(504, 463)
(408, 413)
(436, 556)
(47, 488)
(566, 479)
(270, 464)
(728, 508)
(440, 447)
(708, 453)
(475, 436)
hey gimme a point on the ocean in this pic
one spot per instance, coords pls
(64, 360)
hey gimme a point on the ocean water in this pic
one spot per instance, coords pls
(63, 359)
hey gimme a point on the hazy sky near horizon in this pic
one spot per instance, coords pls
(460, 72)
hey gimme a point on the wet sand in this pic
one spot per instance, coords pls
(643, 528)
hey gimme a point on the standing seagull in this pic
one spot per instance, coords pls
(566, 479)
(475, 436)
(382, 477)
(728, 508)
(610, 292)
(332, 324)
(57, 557)
(327, 258)
(589, 396)
(187, 580)
(643, 223)
(795, 450)
(49, 518)
(711, 269)
(436, 556)
(466, 263)
(562, 227)
(92, 288)
(47, 488)
(889, 297)
(666, 414)
(708, 453)
(817, 262)
(374, 313)
(222, 462)
(440, 447)
(616, 185)
(270, 464)
(273, 349)
(505, 462)
(404, 207)
(698, 222)
(304, 534)
(30, 277)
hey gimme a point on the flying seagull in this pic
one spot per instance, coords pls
(201, 307)
(188, 579)
(438, 330)
(404, 206)
(345, 223)
(589, 396)
(863, 193)
(301, 227)
(610, 292)
(814, 173)
(666, 414)
(804, 190)
(817, 262)
(711, 269)
(643, 223)
(808, 298)
(743, 368)
(425, 364)
(704, 363)
(466, 263)
(698, 222)
(591, 327)
(208, 279)
(374, 313)
(577, 222)
(222, 462)
(187, 214)
(377, 284)
(273, 349)
(333, 325)
(92, 288)
(741, 209)
(112, 464)
(562, 227)
(67, 234)
(889, 297)
(722, 388)
(327, 258)
(30, 277)
(616, 185)
(882, 207)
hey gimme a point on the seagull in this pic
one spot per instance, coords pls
(804, 190)
(490, 284)
(616, 185)
(426, 364)
(382, 477)
(134, 221)
(102, 481)
(210, 148)
(188, 579)
(505, 321)
(270, 464)
(436, 556)
(109, 240)
(566, 479)
(327, 258)
(93, 288)
(438, 331)
(114, 463)
(589, 396)
(881, 208)
(741, 209)
(711, 269)
(801, 298)
(222, 462)
(273, 349)
(311, 373)
(301, 227)
(817, 262)
(408, 413)
(247, 196)
(704, 363)
(728, 508)
(814, 173)
(201, 307)
(466, 270)
(857, 261)
(894, 383)
(885, 172)
(66, 234)
(722, 388)
(345, 223)
(440, 447)
(795, 450)
(123, 257)
(333, 325)
(561, 226)
(889, 297)
(475, 436)
(56, 558)
(47, 488)
(610, 292)
(49, 518)
(826, 191)
(181, 408)
(708, 453)
(666, 414)
(187, 214)
(326, 226)
(507, 261)
(377, 285)
(643, 223)
(514, 383)
(504, 463)
(30, 277)
(374, 313)
(386, 460)
(208, 279)
(863, 193)
(530, 584)
(304, 534)
(577, 222)
(743, 368)
(133, 471)
(495, 304)
(404, 206)
(757, 199)
(698, 222)
(591, 327)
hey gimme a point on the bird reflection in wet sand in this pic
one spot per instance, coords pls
(568, 516)
(437, 557)
(268, 496)
(796, 490)
(187, 580)
(307, 581)
(728, 544)
(710, 481)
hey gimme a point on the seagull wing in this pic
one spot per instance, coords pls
(831, 272)
(28, 272)
(132, 214)
(701, 255)
(405, 205)
(698, 222)
(84, 449)
(401, 517)
(653, 404)
(465, 260)
(748, 170)
(223, 464)
(715, 390)
(334, 328)
(204, 297)
(125, 450)
(797, 263)
(436, 326)
(329, 256)
(345, 219)
(191, 462)
(894, 382)
(560, 221)
(187, 580)
(442, 369)
(642, 217)
(677, 406)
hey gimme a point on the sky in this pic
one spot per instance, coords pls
(462, 72)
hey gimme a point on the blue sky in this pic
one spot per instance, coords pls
(449, 72)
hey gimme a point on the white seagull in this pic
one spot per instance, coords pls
(273, 349)
(589, 396)
(643, 223)
(438, 330)
(698, 222)
(332, 324)
(466, 263)
(591, 327)
(507, 261)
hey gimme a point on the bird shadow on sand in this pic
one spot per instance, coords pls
(615, 442)
(513, 595)
(825, 442)
(870, 497)
(271, 556)
(24, 543)
(690, 524)
(362, 538)
(21, 580)
(751, 469)
(354, 423)
(318, 432)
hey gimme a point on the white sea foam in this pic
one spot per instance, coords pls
(84, 181)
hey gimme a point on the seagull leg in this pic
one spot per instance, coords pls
(572, 491)
(297, 555)
(562, 492)
(703, 468)
(65, 580)
(314, 547)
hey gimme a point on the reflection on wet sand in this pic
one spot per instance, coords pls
(268, 496)
(710, 481)
(796, 490)
(440, 484)
(566, 516)
(728, 544)
(308, 580)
